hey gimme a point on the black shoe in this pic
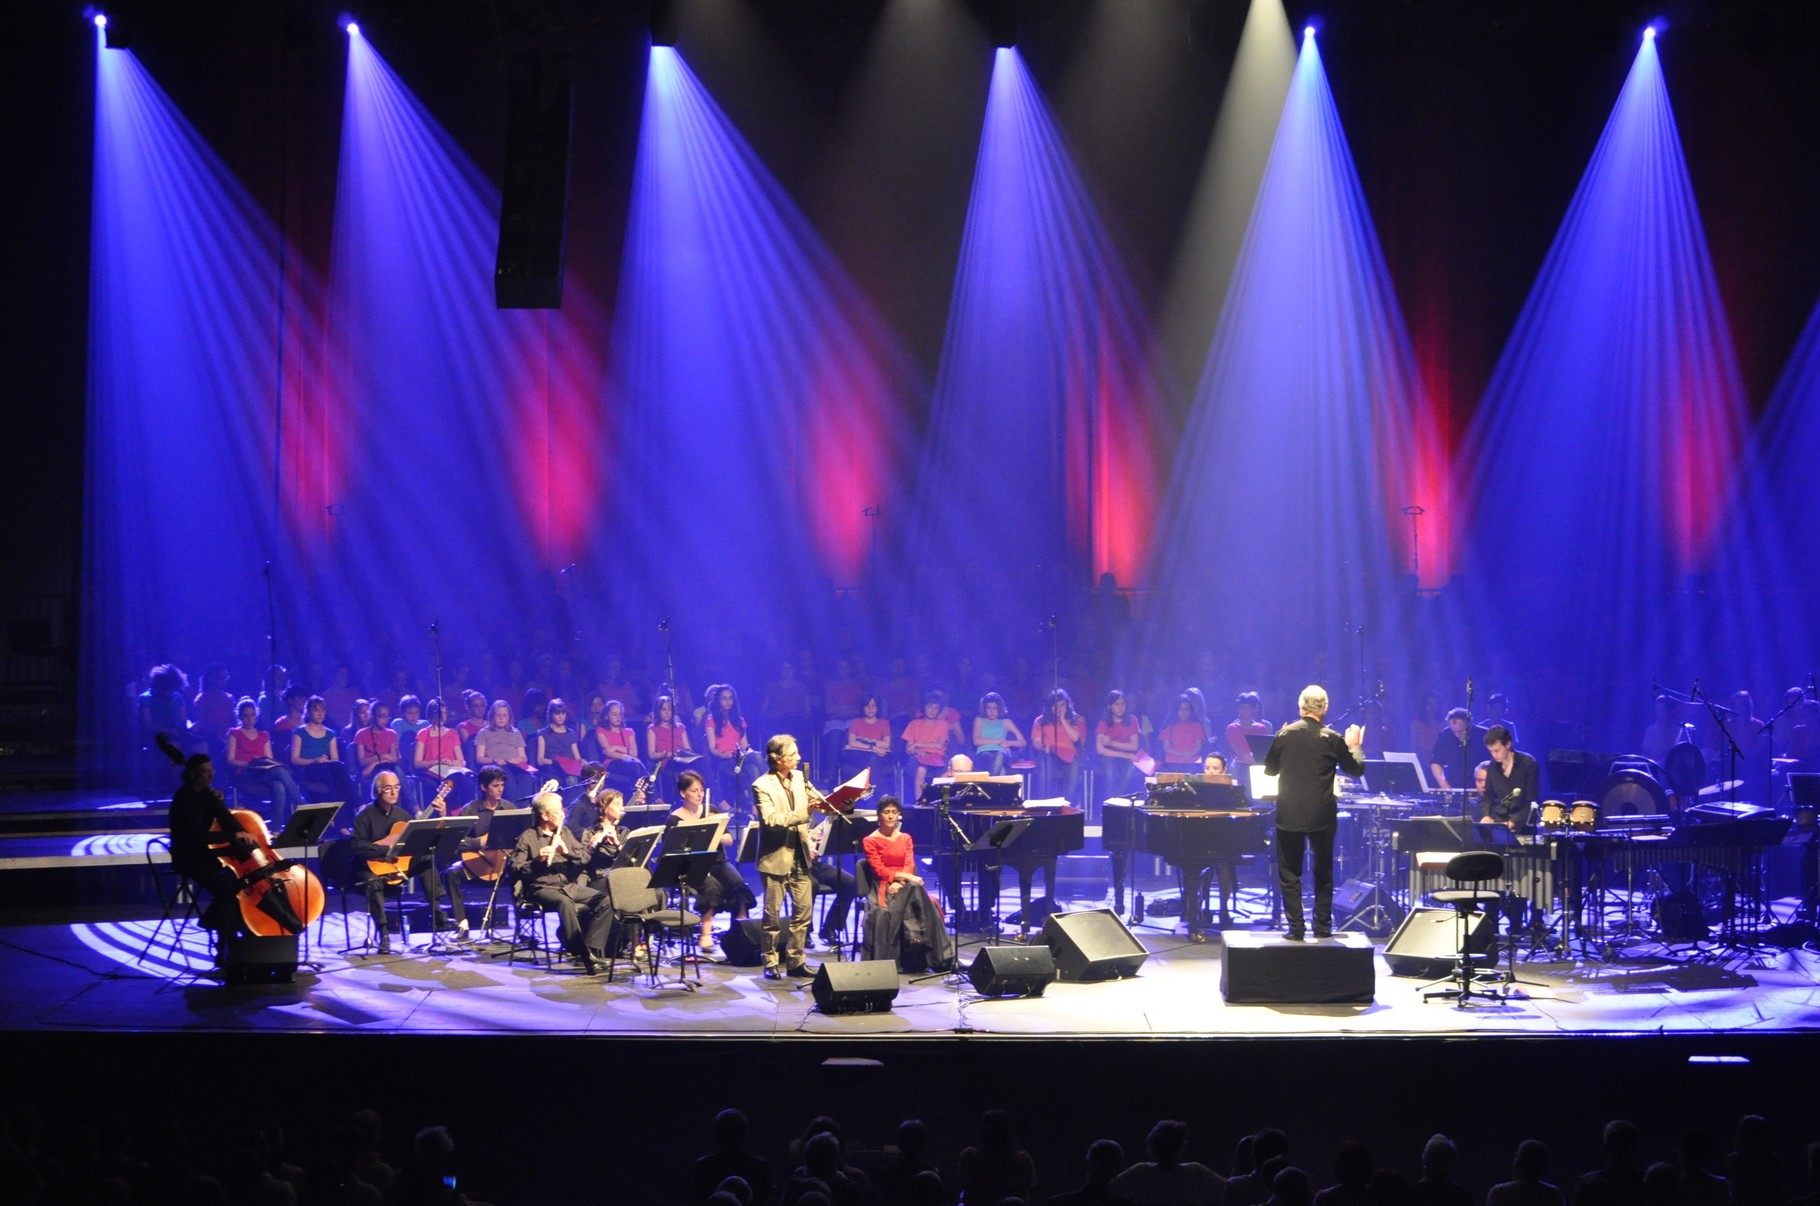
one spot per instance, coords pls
(1323, 931)
(809, 941)
(385, 945)
(802, 971)
(588, 966)
(1294, 933)
(772, 973)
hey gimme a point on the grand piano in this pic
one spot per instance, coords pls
(990, 811)
(1194, 823)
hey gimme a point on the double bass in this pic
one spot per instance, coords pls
(278, 897)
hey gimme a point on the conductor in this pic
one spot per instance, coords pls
(1305, 755)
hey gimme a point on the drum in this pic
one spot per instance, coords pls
(1583, 817)
(1554, 816)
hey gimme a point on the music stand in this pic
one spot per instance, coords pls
(843, 841)
(304, 830)
(1259, 744)
(686, 862)
(435, 840)
(1263, 786)
(977, 791)
(638, 847)
(1392, 777)
(502, 834)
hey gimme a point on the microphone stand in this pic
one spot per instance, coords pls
(271, 618)
(947, 830)
(1733, 753)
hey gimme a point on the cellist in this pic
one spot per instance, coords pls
(196, 808)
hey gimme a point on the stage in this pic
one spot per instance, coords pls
(88, 976)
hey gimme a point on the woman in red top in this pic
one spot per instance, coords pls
(376, 746)
(926, 740)
(1116, 742)
(911, 930)
(868, 739)
(614, 737)
(723, 730)
(1184, 739)
(438, 756)
(249, 752)
(1057, 735)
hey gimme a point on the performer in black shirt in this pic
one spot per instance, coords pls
(376, 828)
(194, 809)
(477, 864)
(548, 862)
(1305, 755)
(1513, 782)
(1457, 750)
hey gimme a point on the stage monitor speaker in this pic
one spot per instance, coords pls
(253, 959)
(1092, 945)
(1012, 971)
(534, 196)
(1268, 969)
(865, 986)
(1427, 941)
(744, 943)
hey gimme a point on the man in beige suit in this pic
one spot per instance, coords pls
(784, 856)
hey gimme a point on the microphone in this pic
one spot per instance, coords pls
(568, 569)
(663, 625)
(267, 574)
(1811, 694)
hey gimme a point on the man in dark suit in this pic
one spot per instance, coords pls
(1305, 756)
(785, 856)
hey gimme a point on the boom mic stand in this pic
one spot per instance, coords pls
(1733, 753)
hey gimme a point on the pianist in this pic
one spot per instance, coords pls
(1513, 782)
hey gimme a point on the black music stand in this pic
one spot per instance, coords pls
(844, 840)
(1397, 780)
(502, 834)
(684, 866)
(436, 841)
(304, 830)
(638, 847)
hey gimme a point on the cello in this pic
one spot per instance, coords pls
(277, 896)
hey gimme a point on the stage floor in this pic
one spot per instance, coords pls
(88, 976)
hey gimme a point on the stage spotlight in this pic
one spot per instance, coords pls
(348, 25)
(663, 23)
(1649, 33)
(1001, 19)
(100, 20)
(1308, 31)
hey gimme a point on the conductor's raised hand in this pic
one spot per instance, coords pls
(1355, 736)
